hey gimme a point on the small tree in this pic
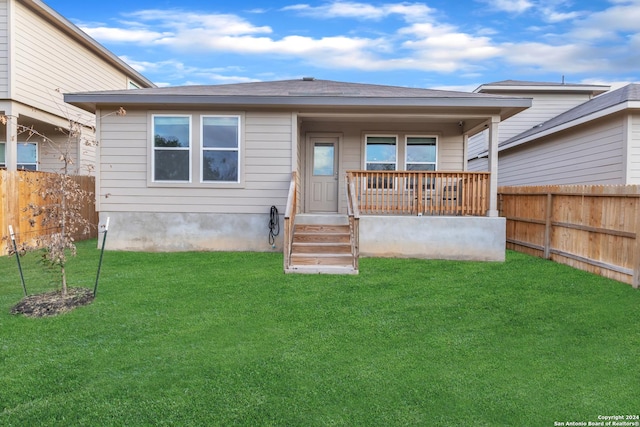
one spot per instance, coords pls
(63, 198)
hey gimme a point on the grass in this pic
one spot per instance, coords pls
(228, 339)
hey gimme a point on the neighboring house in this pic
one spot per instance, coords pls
(198, 168)
(43, 55)
(548, 101)
(596, 142)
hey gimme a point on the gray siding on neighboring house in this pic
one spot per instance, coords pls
(124, 160)
(544, 106)
(633, 149)
(4, 50)
(478, 165)
(588, 154)
(49, 62)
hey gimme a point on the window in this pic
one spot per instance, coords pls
(381, 155)
(27, 156)
(421, 153)
(172, 148)
(323, 158)
(220, 148)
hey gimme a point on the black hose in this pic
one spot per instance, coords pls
(274, 225)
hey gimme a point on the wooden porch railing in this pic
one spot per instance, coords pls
(421, 193)
(289, 219)
(353, 213)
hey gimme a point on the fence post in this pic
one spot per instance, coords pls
(4, 209)
(635, 281)
(547, 226)
(10, 203)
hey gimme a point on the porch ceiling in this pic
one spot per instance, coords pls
(466, 121)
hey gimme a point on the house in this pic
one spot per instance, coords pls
(353, 169)
(596, 141)
(42, 55)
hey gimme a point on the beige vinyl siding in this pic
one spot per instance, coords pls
(48, 62)
(450, 145)
(4, 50)
(633, 147)
(123, 169)
(587, 154)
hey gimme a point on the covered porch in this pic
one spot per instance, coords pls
(437, 215)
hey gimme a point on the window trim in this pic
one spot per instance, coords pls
(3, 163)
(406, 144)
(380, 135)
(153, 149)
(195, 147)
(202, 149)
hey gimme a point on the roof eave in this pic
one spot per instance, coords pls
(91, 101)
(593, 90)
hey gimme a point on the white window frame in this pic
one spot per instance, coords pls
(380, 184)
(153, 149)
(3, 163)
(366, 149)
(238, 149)
(406, 150)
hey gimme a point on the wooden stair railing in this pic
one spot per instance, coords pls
(289, 219)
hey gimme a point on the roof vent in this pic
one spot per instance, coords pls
(308, 79)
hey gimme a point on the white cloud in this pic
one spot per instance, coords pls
(567, 58)
(364, 11)
(123, 35)
(416, 41)
(623, 17)
(553, 16)
(511, 6)
(446, 48)
(212, 23)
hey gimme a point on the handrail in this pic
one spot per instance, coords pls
(421, 192)
(289, 219)
(353, 213)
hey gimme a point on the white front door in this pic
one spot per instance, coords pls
(322, 174)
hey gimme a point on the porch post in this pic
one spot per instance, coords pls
(11, 145)
(493, 166)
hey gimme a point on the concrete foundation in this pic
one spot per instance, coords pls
(169, 232)
(430, 237)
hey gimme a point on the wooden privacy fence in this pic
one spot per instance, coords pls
(593, 228)
(18, 190)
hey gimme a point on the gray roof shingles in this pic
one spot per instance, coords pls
(301, 87)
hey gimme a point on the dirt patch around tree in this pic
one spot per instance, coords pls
(53, 303)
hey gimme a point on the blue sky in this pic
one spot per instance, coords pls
(450, 44)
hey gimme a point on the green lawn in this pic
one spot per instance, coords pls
(228, 339)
